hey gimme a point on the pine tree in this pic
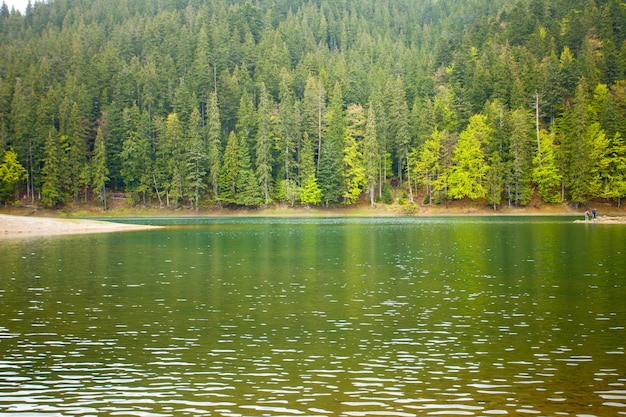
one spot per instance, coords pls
(230, 171)
(288, 132)
(521, 152)
(99, 168)
(576, 147)
(73, 134)
(313, 115)
(196, 158)
(495, 180)
(399, 125)
(615, 181)
(174, 152)
(51, 192)
(264, 144)
(330, 175)
(248, 191)
(214, 144)
(371, 154)
(246, 119)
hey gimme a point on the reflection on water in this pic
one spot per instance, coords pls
(264, 317)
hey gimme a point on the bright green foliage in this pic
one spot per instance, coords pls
(427, 163)
(288, 191)
(11, 171)
(353, 164)
(545, 171)
(468, 174)
(310, 192)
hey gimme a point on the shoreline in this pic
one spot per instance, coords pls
(33, 226)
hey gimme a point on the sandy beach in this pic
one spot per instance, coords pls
(16, 226)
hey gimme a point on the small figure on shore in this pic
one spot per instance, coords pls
(593, 214)
(587, 215)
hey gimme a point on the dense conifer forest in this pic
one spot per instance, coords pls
(199, 103)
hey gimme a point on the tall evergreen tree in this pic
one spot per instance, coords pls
(330, 175)
(214, 144)
(196, 158)
(51, 191)
(371, 154)
(230, 171)
(521, 156)
(248, 191)
(99, 168)
(399, 122)
(313, 114)
(264, 144)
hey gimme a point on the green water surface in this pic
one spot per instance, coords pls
(317, 317)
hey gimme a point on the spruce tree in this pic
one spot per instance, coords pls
(248, 191)
(196, 158)
(99, 168)
(263, 144)
(330, 175)
(230, 171)
(371, 154)
(214, 144)
(51, 192)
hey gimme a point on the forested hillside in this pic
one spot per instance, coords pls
(313, 102)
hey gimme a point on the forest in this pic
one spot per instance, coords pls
(247, 103)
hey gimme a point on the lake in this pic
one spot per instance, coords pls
(474, 316)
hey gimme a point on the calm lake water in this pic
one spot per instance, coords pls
(317, 317)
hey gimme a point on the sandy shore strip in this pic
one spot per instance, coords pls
(16, 226)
